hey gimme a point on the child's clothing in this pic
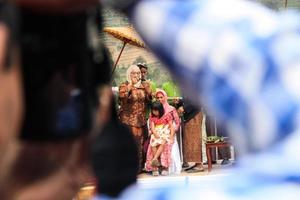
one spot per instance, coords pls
(164, 135)
(161, 125)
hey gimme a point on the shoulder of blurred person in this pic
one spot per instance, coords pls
(11, 96)
(114, 160)
(31, 177)
(190, 110)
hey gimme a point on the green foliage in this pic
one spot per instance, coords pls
(156, 73)
(119, 76)
(171, 89)
(293, 4)
(214, 139)
(273, 4)
(280, 4)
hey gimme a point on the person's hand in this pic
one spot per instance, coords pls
(171, 139)
(156, 135)
(148, 89)
(129, 86)
(180, 110)
(176, 100)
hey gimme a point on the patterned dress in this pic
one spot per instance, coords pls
(133, 105)
(165, 157)
(161, 126)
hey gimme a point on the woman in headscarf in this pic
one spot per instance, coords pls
(171, 150)
(162, 97)
(134, 97)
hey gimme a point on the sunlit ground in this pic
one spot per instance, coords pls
(147, 182)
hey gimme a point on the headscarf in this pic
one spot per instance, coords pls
(165, 103)
(168, 108)
(128, 72)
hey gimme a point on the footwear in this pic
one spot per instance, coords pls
(155, 163)
(190, 167)
(225, 162)
(155, 173)
(185, 165)
(164, 173)
(195, 170)
(212, 162)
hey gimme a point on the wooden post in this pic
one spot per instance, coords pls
(115, 65)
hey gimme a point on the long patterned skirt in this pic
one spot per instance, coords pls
(192, 140)
(138, 133)
(165, 157)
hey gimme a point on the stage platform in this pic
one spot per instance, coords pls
(147, 182)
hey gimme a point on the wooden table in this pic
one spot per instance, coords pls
(209, 146)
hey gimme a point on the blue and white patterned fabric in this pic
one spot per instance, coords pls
(242, 61)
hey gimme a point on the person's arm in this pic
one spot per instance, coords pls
(237, 58)
(176, 120)
(180, 111)
(153, 131)
(172, 131)
(4, 35)
(148, 90)
(124, 91)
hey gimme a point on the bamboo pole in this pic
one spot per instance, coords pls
(115, 66)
